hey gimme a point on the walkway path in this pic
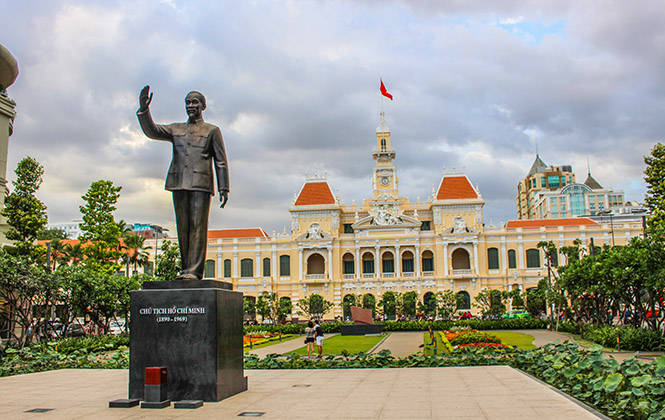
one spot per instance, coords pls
(402, 343)
(284, 347)
(481, 392)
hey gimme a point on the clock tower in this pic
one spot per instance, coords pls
(385, 177)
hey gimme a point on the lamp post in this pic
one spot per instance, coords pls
(609, 212)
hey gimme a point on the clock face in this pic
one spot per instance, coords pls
(385, 180)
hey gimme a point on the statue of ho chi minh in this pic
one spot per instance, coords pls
(197, 148)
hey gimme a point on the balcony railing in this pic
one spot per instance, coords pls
(408, 274)
(349, 276)
(316, 276)
(428, 273)
(459, 271)
(368, 275)
(388, 275)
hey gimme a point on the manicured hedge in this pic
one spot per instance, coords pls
(477, 324)
(632, 338)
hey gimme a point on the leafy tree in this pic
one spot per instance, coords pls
(654, 176)
(23, 288)
(408, 302)
(388, 304)
(535, 299)
(516, 299)
(314, 306)
(249, 307)
(349, 301)
(53, 233)
(168, 262)
(491, 302)
(74, 252)
(99, 226)
(447, 303)
(25, 213)
(284, 309)
(264, 306)
(369, 302)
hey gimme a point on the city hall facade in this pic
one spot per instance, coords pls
(388, 243)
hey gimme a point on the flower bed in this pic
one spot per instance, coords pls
(262, 337)
(474, 346)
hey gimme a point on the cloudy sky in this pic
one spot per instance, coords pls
(294, 87)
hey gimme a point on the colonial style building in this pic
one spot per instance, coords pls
(388, 243)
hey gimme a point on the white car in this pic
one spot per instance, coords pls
(117, 327)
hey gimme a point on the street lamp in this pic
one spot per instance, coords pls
(609, 212)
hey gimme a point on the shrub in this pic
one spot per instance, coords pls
(473, 337)
(632, 338)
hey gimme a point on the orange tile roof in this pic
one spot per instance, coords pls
(454, 188)
(237, 233)
(574, 221)
(315, 193)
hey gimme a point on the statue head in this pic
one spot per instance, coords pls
(195, 103)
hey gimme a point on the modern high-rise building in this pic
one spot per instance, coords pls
(540, 178)
(550, 192)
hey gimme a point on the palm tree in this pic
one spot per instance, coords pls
(74, 252)
(136, 250)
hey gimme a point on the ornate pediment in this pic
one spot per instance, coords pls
(314, 233)
(385, 212)
(459, 227)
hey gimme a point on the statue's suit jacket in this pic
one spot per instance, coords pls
(195, 147)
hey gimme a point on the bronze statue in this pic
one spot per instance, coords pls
(196, 145)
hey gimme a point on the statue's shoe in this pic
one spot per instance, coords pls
(187, 276)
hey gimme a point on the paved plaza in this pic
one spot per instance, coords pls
(488, 392)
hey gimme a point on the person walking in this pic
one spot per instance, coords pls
(318, 334)
(309, 337)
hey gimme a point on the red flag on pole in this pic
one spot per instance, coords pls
(384, 91)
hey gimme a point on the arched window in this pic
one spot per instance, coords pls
(463, 301)
(368, 263)
(227, 268)
(493, 258)
(387, 263)
(348, 265)
(407, 262)
(460, 259)
(316, 264)
(247, 267)
(512, 258)
(209, 269)
(266, 267)
(284, 265)
(532, 258)
(428, 261)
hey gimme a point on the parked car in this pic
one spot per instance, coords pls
(75, 330)
(517, 314)
(117, 327)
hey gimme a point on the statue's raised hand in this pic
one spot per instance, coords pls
(145, 97)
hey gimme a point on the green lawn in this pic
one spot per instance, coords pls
(255, 346)
(522, 341)
(351, 343)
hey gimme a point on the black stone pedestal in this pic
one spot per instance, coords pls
(361, 329)
(195, 331)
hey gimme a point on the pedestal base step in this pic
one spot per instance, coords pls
(151, 404)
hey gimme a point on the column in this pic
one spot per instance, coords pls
(235, 264)
(445, 259)
(300, 264)
(398, 261)
(475, 257)
(220, 264)
(273, 272)
(520, 253)
(504, 264)
(356, 261)
(330, 263)
(259, 265)
(377, 261)
(417, 258)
